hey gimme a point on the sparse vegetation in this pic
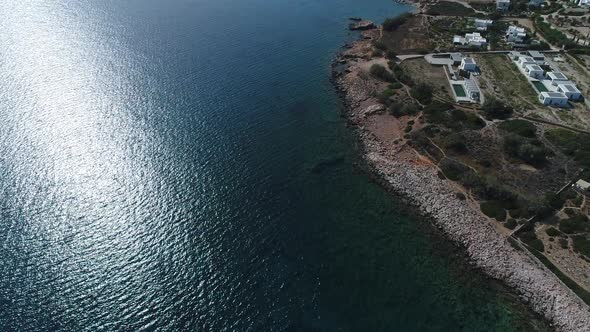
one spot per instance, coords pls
(393, 23)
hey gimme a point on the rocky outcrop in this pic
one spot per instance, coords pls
(362, 25)
(460, 220)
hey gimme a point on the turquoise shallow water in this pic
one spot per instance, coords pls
(182, 165)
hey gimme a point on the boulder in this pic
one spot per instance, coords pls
(362, 25)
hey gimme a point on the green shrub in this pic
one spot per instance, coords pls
(537, 245)
(510, 223)
(582, 245)
(552, 232)
(452, 169)
(493, 209)
(455, 142)
(395, 85)
(391, 24)
(460, 196)
(576, 224)
(381, 72)
(495, 109)
(519, 127)
(422, 92)
(563, 243)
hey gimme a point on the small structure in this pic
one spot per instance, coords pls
(472, 90)
(525, 61)
(502, 5)
(536, 3)
(582, 186)
(534, 71)
(553, 99)
(515, 34)
(570, 90)
(584, 3)
(538, 57)
(514, 55)
(482, 25)
(468, 64)
(471, 39)
(556, 78)
(456, 58)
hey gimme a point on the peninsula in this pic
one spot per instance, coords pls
(477, 114)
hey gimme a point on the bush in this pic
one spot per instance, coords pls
(576, 224)
(452, 169)
(391, 24)
(552, 232)
(383, 97)
(493, 209)
(455, 142)
(582, 245)
(537, 245)
(460, 196)
(495, 109)
(395, 85)
(470, 120)
(510, 224)
(519, 127)
(381, 72)
(422, 92)
(529, 151)
(563, 243)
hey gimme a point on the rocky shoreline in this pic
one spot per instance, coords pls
(410, 175)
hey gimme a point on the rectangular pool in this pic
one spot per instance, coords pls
(459, 91)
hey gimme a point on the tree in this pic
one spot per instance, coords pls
(422, 92)
(391, 24)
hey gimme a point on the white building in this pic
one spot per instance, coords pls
(534, 71)
(538, 57)
(472, 89)
(468, 64)
(536, 3)
(515, 34)
(482, 25)
(582, 185)
(470, 39)
(525, 61)
(557, 78)
(553, 99)
(584, 3)
(570, 90)
(502, 5)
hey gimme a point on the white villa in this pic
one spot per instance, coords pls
(468, 64)
(502, 5)
(538, 57)
(557, 78)
(534, 71)
(470, 39)
(570, 91)
(482, 25)
(553, 99)
(515, 34)
(536, 3)
(584, 3)
(525, 61)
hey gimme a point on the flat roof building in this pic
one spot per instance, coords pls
(526, 60)
(556, 77)
(472, 89)
(502, 5)
(515, 34)
(582, 185)
(534, 71)
(570, 90)
(553, 99)
(468, 64)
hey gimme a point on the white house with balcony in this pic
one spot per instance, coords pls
(468, 64)
(570, 90)
(471, 39)
(502, 5)
(553, 99)
(515, 34)
(534, 71)
(472, 90)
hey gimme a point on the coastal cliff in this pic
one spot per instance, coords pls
(413, 176)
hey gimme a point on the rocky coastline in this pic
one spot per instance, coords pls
(414, 177)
